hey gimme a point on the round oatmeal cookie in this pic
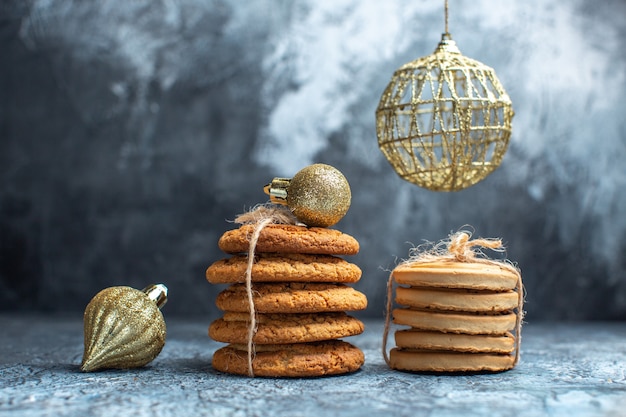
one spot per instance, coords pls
(285, 238)
(300, 360)
(284, 267)
(285, 328)
(292, 297)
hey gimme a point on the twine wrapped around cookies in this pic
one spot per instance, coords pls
(261, 216)
(459, 248)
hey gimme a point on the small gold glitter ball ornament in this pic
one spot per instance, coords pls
(444, 120)
(318, 195)
(124, 328)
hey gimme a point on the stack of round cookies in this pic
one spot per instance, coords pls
(300, 299)
(462, 317)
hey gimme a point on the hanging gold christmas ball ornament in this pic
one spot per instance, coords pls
(318, 195)
(124, 328)
(444, 120)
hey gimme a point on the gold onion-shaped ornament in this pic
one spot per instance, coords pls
(124, 328)
(444, 120)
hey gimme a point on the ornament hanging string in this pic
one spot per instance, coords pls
(261, 216)
(446, 17)
(459, 248)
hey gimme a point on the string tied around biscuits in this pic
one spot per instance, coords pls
(459, 247)
(260, 216)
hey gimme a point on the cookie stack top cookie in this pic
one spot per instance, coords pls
(287, 238)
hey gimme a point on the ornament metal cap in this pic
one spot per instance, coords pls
(318, 195)
(157, 293)
(447, 44)
(277, 190)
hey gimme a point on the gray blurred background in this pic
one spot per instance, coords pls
(131, 133)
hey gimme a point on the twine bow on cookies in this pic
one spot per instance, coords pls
(459, 247)
(261, 216)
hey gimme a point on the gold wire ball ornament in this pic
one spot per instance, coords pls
(444, 120)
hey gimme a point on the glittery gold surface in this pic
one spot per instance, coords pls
(124, 328)
(444, 120)
(319, 195)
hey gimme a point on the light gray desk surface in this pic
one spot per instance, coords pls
(567, 369)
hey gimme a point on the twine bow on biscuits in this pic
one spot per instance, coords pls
(261, 216)
(458, 248)
(461, 247)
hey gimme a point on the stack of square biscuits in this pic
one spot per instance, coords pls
(300, 301)
(462, 317)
